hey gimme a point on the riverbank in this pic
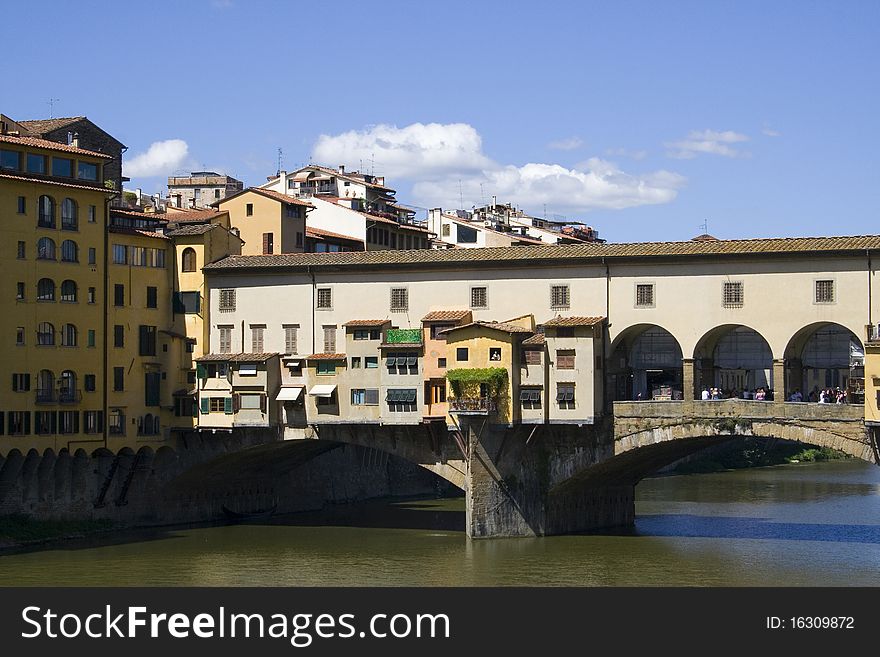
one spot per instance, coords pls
(753, 453)
(18, 531)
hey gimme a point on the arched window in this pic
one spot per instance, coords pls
(147, 424)
(46, 212)
(45, 333)
(68, 386)
(45, 386)
(45, 248)
(68, 291)
(69, 218)
(189, 259)
(69, 251)
(68, 336)
(46, 290)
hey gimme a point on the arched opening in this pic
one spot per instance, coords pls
(737, 361)
(45, 289)
(188, 259)
(45, 334)
(46, 212)
(69, 218)
(69, 251)
(45, 386)
(825, 357)
(67, 389)
(68, 291)
(45, 248)
(645, 363)
(68, 335)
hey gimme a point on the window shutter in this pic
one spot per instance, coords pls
(75, 422)
(100, 421)
(227, 406)
(262, 403)
(27, 422)
(200, 371)
(204, 405)
(15, 383)
(53, 421)
(27, 381)
(236, 403)
(1, 423)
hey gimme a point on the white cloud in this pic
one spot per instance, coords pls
(161, 158)
(706, 141)
(567, 144)
(625, 152)
(414, 151)
(770, 132)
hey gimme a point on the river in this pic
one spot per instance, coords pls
(793, 525)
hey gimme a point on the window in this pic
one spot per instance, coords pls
(375, 334)
(93, 257)
(146, 340)
(324, 300)
(21, 382)
(189, 303)
(227, 301)
(45, 422)
(68, 422)
(445, 230)
(358, 396)
(91, 338)
(68, 335)
(46, 290)
(355, 362)
(67, 386)
(190, 346)
(290, 338)
(437, 330)
(118, 294)
(330, 339)
(225, 333)
(565, 396)
(188, 259)
(61, 166)
(564, 331)
(21, 250)
(69, 215)
(250, 402)
(151, 388)
(45, 249)
(10, 160)
(560, 297)
(494, 353)
(46, 218)
(825, 291)
(565, 359)
(399, 299)
(466, 234)
(22, 205)
(217, 404)
(19, 335)
(479, 297)
(118, 379)
(257, 338)
(441, 363)
(137, 256)
(69, 251)
(216, 194)
(644, 295)
(120, 254)
(158, 258)
(152, 297)
(89, 382)
(530, 398)
(19, 291)
(93, 421)
(732, 296)
(249, 210)
(268, 243)
(326, 367)
(461, 354)
(91, 295)
(45, 334)
(371, 362)
(435, 391)
(401, 400)
(45, 386)
(118, 335)
(93, 211)
(531, 356)
(36, 163)
(86, 171)
(19, 423)
(361, 334)
(116, 421)
(197, 194)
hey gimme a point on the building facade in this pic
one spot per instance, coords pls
(200, 189)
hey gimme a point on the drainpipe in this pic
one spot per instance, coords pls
(605, 332)
(312, 276)
(105, 306)
(870, 316)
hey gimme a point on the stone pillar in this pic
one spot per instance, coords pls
(688, 384)
(779, 389)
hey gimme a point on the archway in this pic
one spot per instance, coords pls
(735, 359)
(645, 363)
(825, 355)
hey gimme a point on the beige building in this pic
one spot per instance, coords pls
(200, 189)
(267, 222)
(238, 390)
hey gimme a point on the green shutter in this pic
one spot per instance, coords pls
(200, 371)
(195, 410)
(227, 405)
(204, 403)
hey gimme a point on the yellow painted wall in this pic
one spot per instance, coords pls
(872, 382)
(268, 217)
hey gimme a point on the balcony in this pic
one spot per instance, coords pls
(67, 396)
(472, 405)
(47, 396)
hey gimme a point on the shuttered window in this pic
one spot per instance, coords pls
(565, 359)
(257, 338)
(225, 339)
(330, 339)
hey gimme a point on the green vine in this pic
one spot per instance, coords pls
(465, 381)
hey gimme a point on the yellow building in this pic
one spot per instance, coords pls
(53, 206)
(872, 381)
(269, 222)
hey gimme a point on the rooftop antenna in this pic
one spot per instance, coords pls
(372, 164)
(705, 227)
(52, 102)
(482, 195)
(280, 160)
(460, 196)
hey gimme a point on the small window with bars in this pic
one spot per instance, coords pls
(227, 301)
(825, 291)
(733, 294)
(324, 299)
(479, 297)
(560, 297)
(399, 299)
(644, 295)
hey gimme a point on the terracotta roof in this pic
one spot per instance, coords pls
(705, 237)
(320, 234)
(238, 358)
(43, 126)
(498, 326)
(193, 229)
(535, 340)
(326, 357)
(268, 193)
(564, 254)
(51, 145)
(154, 216)
(574, 321)
(192, 215)
(446, 315)
(137, 231)
(368, 322)
(46, 181)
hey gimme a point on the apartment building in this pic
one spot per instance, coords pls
(200, 189)
(268, 222)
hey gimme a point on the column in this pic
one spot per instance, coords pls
(687, 379)
(779, 391)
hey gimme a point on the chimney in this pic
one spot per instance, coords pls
(341, 168)
(75, 141)
(494, 200)
(69, 137)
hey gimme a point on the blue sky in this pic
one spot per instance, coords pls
(643, 119)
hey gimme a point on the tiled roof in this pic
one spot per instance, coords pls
(566, 254)
(193, 229)
(574, 321)
(705, 237)
(498, 326)
(43, 126)
(154, 216)
(45, 181)
(536, 340)
(238, 358)
(367, 322)
(192, 215)
(51, 145)
(446, 315)
(268, 193)
(137, 231)
(326, 357)
(320, 234)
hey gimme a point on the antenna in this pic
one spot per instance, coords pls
(705, 227)
(52, 102)
(460, 196)
(372, 164)
(482, 195)
(280, 161)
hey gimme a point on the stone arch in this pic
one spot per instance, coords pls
(817, 356)
(643, 358)
(62, 476)
(9, 474)
(80, 473)
(45, 480)
(734, 358)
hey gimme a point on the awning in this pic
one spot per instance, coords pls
(289, 394)
(322, 391)
(303, 175)
(216, 384)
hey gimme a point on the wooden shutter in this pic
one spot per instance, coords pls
(262, 403)
(27, 423)
(100, 424)
(227, 405)
(236, 403)
(204, 403)
(200, 371)
(15, 383)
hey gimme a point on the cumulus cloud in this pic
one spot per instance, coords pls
(161, 158)
(706, 142)
(416, 150)
(567, 144)
(625, 152)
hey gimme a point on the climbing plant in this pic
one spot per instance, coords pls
(465, 382)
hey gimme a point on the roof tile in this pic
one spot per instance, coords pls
(51, 145)
(574, 321)
(446, 315)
